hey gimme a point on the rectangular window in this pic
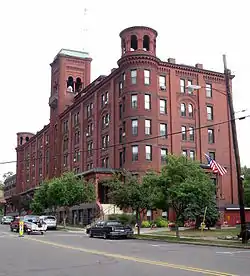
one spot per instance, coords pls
(210, 115)
(133, 75)
(147, 127)
(183, 133)
(102, 100)
(120, 88)
(191, 134)
(146, 77)
(212, 154)
(134, 153)
(183, 110)
(209, 90)
(210, 136)
(182, 85)
(162, 82)
(106, 97)
(163, 130)
(192, 154)
(147, 101)
(120, 111)
(120, 134)
(184, 153)
(163, 106)
(164, 153)
(148, 150)
(134, 127)
(190, 89)
(134, 101)
(121, 158)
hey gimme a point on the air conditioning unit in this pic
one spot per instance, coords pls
(106, 102)
(163, 87)
(74, 159)
(107, 124)
(124, 134)
(87, 134)
(47, 142)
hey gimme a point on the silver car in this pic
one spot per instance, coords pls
(7, 219)
(50, 221)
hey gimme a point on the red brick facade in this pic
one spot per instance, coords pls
(115, 121)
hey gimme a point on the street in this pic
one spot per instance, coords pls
(60, 253)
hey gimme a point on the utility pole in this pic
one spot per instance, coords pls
(236, 152)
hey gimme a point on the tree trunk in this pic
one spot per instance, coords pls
(138, 221)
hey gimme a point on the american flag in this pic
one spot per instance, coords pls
(216, 167)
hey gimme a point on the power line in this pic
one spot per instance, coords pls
(131, 142)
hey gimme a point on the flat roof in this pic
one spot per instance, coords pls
(73, 53)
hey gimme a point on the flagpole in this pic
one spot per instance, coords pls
(236, 152)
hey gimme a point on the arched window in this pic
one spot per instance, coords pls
(183, 109)
(133, 43)
(78, 85)
(123, 46)
(146, 43)
(70, 84)
(27, 139)
(190, 110)
(21, 140)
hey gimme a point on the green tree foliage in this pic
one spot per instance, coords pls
(187, 189)
(246, 173)
(65, 191)
(41, 201)
(140, 197)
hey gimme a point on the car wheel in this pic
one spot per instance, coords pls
(105, 236)
(90, 234)
(11, 229)
(42, 233)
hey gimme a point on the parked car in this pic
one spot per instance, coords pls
(51, 221)
(35, 226)
(110, 229)
(7, 219)
(14, 225)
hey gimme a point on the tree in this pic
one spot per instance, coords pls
(41, 201)
(246, 173)
(68, 190)
(132, 194)
(187, 189)
(8, 174)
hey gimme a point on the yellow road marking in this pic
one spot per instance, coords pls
(134, 259)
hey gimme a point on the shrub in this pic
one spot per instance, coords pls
(145, 224)
(161, 222)
(123, 218)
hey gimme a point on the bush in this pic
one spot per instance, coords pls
(161, 222)
(145, 224)
(123, 218)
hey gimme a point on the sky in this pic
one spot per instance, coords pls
(33, 32)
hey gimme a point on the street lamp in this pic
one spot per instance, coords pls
(235, 145)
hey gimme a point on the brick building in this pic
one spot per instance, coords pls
(125, 120)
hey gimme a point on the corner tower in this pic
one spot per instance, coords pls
(138, 40)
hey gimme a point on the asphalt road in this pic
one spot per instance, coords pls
(60, 253)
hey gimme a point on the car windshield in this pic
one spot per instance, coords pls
(49, 218)
(8, 217)
(33, 219)
(114, 223)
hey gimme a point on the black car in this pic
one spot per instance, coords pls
(110, 229)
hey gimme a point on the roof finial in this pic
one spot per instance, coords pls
(85, 29)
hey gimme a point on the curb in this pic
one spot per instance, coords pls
(195, 243)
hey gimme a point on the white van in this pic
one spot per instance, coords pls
(50, 221)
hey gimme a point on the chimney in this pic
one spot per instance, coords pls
(171, 60)
(199, 65)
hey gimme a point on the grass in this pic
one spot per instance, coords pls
(198, 241)
(218, 233)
